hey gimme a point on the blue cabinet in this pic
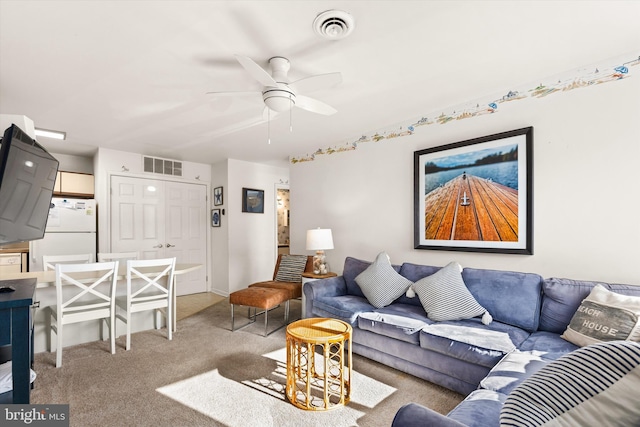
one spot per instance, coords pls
(16, 330)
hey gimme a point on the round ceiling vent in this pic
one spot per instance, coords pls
(333, 24)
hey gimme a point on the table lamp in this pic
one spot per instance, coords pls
(319, 240)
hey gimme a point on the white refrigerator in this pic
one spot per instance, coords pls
(71, 230)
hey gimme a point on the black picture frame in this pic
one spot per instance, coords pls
(476, 195)
(218, 199)
(252, 200)
(216, 218)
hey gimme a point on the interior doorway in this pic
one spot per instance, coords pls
(283, 218)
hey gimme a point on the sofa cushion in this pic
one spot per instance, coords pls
(471, 341)
(514, 368)
(400, 327)
(604, 316)
(562, 297)
(511, 297)
(346, 307)
(415, 272)
(353, 267)
(547, 344)
(594, 385)
(380, 282)
(479, 409)
(445, 296)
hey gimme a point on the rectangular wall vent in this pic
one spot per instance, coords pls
(162, 166)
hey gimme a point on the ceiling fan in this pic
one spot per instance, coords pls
(278, 94)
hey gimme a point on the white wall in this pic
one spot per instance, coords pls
(252, 250)
(585, 197)
(220, 235)
(71, 163)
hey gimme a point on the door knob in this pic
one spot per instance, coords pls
(169, 245)
(158, 245)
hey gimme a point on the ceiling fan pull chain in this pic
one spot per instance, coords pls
(268, 126)
(290, 115)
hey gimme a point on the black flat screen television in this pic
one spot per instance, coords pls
(27, 176)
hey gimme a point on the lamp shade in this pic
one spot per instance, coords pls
(319, 239)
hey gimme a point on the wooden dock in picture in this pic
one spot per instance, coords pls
(472, 208)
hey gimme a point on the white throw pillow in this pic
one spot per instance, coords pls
(444, 296)
(604, 316)
(380, 283)
(595, 385)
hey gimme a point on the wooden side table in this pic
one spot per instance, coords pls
(310, 277)
(319, 380)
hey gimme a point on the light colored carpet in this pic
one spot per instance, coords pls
(209, 376)
(188, 305)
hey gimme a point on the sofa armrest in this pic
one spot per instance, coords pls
(414, 415)
(331, 287)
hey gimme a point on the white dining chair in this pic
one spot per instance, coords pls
(150, 286)
(84, 292)
(49, 261)
(120, 256)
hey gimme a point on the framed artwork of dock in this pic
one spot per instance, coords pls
(476, 195)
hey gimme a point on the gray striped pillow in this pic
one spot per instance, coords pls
(444, 296)
(596, 385)
(291, 268)
(380, 283)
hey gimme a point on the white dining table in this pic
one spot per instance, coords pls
(45, 296)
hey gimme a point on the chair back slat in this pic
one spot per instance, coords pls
(50, 261)
(119, 256)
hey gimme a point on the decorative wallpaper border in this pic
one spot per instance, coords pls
(604, 72)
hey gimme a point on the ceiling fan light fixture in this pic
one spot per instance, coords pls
(333, 24)
(278, 99)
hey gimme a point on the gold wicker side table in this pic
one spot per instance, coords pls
(319, 381)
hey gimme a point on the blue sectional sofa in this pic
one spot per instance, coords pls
(484, 362)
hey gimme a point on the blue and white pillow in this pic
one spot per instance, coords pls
(380, 283)
(596, 385)
(445, 296)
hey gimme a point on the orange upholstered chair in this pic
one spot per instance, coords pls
(287, 274)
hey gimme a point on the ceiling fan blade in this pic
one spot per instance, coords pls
(240, 93)
(317, 82)
(313, 105)
(256, 71)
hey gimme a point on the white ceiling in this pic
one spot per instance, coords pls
(132, 75)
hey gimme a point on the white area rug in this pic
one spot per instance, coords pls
(258, 397)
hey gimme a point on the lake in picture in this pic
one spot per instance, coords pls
(505, 173)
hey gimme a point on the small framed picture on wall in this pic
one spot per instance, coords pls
(215, 218)
(252, 200)
(217, 196)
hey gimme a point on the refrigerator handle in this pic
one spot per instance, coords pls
(32, 252)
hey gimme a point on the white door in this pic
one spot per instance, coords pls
(161, 219)
(185, 232)
(137, 216)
